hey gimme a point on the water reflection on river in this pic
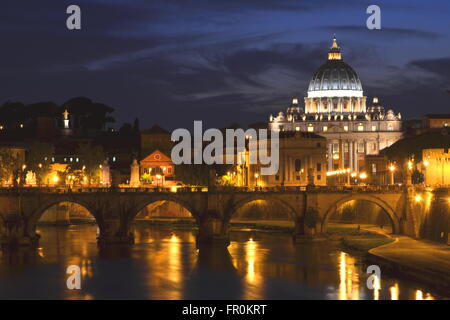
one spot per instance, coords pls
(166, 264)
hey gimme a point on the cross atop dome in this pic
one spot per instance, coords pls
(335, 51)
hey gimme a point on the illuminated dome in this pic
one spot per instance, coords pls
(335, 78)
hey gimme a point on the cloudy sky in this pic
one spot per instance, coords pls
(175, 61)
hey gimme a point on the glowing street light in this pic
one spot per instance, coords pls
(392, 169)
(256, 177)
(410, 165)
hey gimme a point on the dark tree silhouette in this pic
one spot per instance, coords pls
(89, 114)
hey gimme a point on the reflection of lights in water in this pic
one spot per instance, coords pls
(174, 257)
(84, 264)
(355, 287)
(394, 292)
(348, 277)
(342, 276)
(250, 255)
(376, 287)
(165, 260)
(244, 257)
(86, 268)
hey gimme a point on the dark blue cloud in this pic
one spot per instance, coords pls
(220, 61)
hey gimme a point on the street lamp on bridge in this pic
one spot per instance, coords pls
(392, 169)
(256, 177)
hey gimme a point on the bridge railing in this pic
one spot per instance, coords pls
(192, 189)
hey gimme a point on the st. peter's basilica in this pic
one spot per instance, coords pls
(335, 107)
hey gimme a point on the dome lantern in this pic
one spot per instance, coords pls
(335, 51)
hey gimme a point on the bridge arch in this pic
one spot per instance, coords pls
(269, 198)
(394, 219)
(164, 197)
(39, 212)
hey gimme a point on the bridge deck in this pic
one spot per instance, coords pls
(277, 189)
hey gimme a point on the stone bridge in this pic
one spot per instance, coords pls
(115, 208)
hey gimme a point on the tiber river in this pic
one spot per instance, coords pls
(165, 264)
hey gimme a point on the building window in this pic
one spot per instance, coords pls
(277, 178)
(390, 128)
(310, 128)
(360, 147)
(345, 128)
(319, 177)
(297, 128)
(325, 128)
(374, 128)
(297, 177)
(374, 146)
(360, 127)
(335, 147)
(345, 147)
(318, 144)
(319, 166)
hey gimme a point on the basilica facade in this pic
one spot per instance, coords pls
(335, 107)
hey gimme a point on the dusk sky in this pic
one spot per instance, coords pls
(172, 62)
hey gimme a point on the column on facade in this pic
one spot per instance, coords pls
(330, 156)
(344, 145)
(356, 154)
(350, 155)
(289, 169)
(365, 151)
(341, 154)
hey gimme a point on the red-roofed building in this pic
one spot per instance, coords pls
(156, 168)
